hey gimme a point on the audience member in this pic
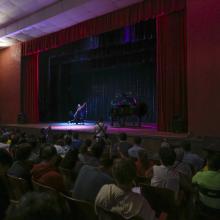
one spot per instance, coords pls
(76, 142)
(46, 172)
(142, 163)
(194, 160)
(181, 166)
(133, 151)
(5, 163)
(3, 142)
(119, 198)
(164, 176)
(83, 151)
(67, 143)
(123, 146)
(60, 147)
(209, 180)
(43, 206)
(164, 143)
(21, 167)
(91, 179)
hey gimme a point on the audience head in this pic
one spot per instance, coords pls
(42, 139)
(167, 156)
(70, 159)
(214, 162)
(23, 151)
(179, 153)
(4, 139)
(84, 147)
(137, 140)
(76, 135)
(165, 143)
(124, 172)
(106, 161)
(5, 160)
(36, 205)
(68, 140)
(123, 136)
(186, 145)
(97, 149)
(143, 158)
(48, 153)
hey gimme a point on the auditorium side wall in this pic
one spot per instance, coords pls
(10, 62)
(203, 67)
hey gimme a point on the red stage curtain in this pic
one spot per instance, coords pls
(118, 19)
(114, 20)
(30, 88)
(171, 69)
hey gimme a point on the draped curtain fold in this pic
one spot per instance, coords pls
(114, 20)
(171, 71)
(30, 87)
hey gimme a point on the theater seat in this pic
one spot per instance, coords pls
(81, 210)
(17, 188)
(42, 188)
(107, 215)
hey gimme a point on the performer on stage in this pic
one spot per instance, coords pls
(79, 115)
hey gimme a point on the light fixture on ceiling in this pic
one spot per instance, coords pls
(7, 42)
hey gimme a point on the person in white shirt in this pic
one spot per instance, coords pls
(164, 175)
(133, 151)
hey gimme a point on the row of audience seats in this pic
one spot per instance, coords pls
(80, 210)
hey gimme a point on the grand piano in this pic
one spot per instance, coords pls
(124, 106)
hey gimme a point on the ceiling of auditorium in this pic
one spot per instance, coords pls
(22, 20)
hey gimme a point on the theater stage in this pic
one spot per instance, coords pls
(146, 130)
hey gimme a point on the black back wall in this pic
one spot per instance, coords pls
(95, 69)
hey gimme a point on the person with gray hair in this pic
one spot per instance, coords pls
(179, 165)
(119, 198)
(43, 206)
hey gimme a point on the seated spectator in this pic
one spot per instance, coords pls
(209, 181)
(164, 143)
(76, 142)
(91, 179)
(67, 143)
(46, 172)
(194, 160)
(43, 206)
(92, 158)
(35, 150)
(95, 154)
(60, 147)
(5, 163)
(164, 176)
(142, 163)
(181, 166)
(133, 151)
(119, 198)
(123, 146)
(70, 159)
(83, 151)
(3, 142)
(21, 167)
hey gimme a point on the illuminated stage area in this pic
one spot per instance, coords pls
(146, 130)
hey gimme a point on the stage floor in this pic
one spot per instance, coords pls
(149, 130)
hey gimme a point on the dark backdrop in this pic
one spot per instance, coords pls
(95, 69)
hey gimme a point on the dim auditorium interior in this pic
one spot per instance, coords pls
(109, 109)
